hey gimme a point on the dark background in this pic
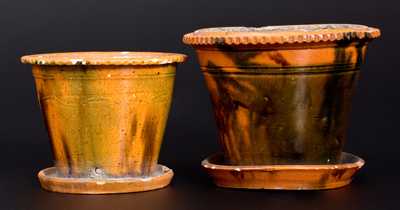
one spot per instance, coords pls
(157, 25)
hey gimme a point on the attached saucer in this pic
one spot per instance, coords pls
(283, 177)
(50, 181)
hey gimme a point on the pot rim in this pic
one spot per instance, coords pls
(281, 34)
(104, 58)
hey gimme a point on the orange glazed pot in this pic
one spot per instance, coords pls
(281, 94)
(105, 113)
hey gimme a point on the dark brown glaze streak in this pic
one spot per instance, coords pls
(281, 98)
(105, 113)
(291, 114)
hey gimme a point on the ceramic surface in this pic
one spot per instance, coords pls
(105, 113)
(282, 94)
(283, 177)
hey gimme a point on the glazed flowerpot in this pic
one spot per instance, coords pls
(105, 113)
(282, 94)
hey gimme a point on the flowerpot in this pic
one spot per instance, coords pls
(105, 113)
(282, 94)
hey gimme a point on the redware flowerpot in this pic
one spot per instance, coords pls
(105, 113)
(282, 94)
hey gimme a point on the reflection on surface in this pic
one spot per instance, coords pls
(149, 200)
(190, 189)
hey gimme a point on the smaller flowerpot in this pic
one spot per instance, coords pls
(281, 97)
(105, 113)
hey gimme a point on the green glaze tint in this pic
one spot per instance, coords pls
(105, 113)
(105, 121)
(278, 111)
(281, 98)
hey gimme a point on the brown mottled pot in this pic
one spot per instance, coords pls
(282, 94)
(105, 113)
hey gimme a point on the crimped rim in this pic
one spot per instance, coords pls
(104, 58)
(280, 34)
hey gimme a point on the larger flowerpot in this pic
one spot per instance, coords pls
(105, 113)
(281, 97)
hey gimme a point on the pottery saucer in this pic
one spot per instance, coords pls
(283, 177)
(49, 180)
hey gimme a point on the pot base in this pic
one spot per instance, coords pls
(283, 177)
(49, 180)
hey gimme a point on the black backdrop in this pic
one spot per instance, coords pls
(158, 25)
